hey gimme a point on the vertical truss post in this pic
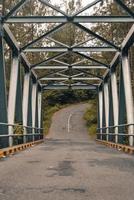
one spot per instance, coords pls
(18, 112)
(122, 107)
(3, 96)
(29, 122)
(34, 107)
(26, 91)
(103, 116)
(13, 94)
(115, 103)
(100, 111)
(128, 95)
(36, 115)
(106, 105)
(111, 118)
(39, 110)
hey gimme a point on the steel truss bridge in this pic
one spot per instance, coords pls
(115, 101)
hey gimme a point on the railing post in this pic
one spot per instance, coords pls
(128, 96)
(100, 111)
(14, 77)
(115, 102)
(3, 96)
(106, 105)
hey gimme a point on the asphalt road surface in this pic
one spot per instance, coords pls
(68, 166)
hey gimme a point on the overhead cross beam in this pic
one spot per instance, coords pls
(70, 19)
(43, 67)
(65, 87)
(69, 49)
(70, 78)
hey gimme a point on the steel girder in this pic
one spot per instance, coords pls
(64, 19)
(115, 103)
(3, 94)
(73, 49)
(69, 66)
(70, 78)
(14, 95)
(64, 87)
(129, 101)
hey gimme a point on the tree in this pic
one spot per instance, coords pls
(114, 32)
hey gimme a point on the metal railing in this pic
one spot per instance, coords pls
(33, 134)
(122, 135)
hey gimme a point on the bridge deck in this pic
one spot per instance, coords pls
(68, 166)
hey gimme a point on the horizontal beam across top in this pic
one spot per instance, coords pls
(64, 87)
(72, 78)
(65, 49)
(64, 19)
(67, 67)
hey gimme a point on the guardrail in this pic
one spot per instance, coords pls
(33, 134)
(107, 134)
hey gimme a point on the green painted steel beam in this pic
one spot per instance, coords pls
(63, 19)
(65, 49)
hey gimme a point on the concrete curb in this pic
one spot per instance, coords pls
(119, 147)
(12, 150)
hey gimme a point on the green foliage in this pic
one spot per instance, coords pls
(65, 96)
(18, 129)
(92, 130)
(90, 117)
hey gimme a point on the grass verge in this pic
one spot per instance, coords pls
(90, 117)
